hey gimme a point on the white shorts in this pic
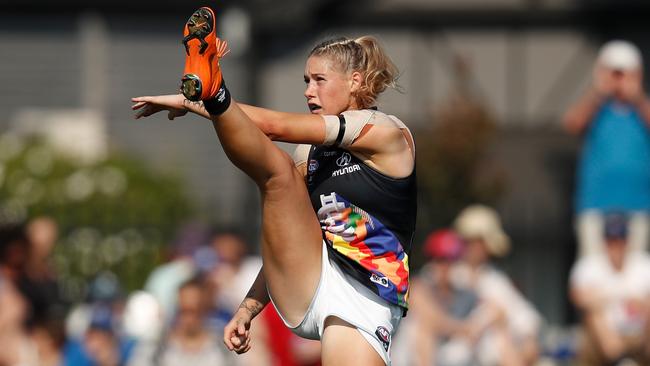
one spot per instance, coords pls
(344, 297)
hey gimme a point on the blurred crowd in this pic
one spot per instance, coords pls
(610, 282)
(176, 319)
(464, 309)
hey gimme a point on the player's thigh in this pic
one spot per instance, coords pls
(343, 345)
(291, 243)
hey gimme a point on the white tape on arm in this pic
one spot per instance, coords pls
(343, 129)
(354, 122)
(332, 126)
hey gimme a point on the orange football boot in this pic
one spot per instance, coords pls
(202, 74)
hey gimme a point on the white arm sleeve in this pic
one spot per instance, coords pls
(343, 129)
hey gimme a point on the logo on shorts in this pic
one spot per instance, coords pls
(384, 337)
(380, 280)
(313, 165)
(344, 159)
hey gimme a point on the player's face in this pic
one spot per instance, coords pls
(329, 91)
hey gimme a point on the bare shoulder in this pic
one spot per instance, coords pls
(373, 117)
(388, 132)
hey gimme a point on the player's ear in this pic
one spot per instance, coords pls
(355, 81)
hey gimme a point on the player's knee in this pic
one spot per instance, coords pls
(284, 173)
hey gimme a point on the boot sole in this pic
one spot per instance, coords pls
(199, 25)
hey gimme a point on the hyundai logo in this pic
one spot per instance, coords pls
(344, 159)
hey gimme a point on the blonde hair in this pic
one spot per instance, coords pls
(366, 56)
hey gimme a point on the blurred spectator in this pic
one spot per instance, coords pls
(95, 334)
(102, 344)
(190, 342)
(164, 280)
(103, 292)
(464, 312)
(613, 116)
(226, 273)
(38, 282)
(612, 290)
(516, 341)
(236, 270)
(143, 319)
(49, 340)
(15, 347)
(230, 278)
(440, 311)
(13, 251)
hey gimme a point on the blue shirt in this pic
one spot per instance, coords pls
(614, 170)
(76, 354)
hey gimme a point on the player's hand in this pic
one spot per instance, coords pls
(148, 105)
(236, 334)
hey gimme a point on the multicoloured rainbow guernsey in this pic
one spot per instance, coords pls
(358, 236)
(367, 218)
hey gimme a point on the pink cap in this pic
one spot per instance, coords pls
(443, 244)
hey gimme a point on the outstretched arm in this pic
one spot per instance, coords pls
(236, 334)
(382, 147)
(278, 126)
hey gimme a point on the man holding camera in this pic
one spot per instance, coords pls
(613, 118)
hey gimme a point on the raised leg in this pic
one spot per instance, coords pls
(291, 239)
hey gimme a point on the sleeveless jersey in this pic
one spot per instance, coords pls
(367, 218)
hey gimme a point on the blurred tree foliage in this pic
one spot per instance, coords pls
(453, 168)
(115, 215)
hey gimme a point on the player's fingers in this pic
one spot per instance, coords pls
(242, 340)
(228, 344)
(236, 341)
(145, 98)
(139, 105)
(245, 346)
(244, 350)
(241, 329)
(226, 339)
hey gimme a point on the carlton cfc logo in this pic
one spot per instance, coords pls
(384, 337)
(313, 165)
(344, 159)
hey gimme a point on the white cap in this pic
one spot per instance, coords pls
(479, 221)
(620, 55)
